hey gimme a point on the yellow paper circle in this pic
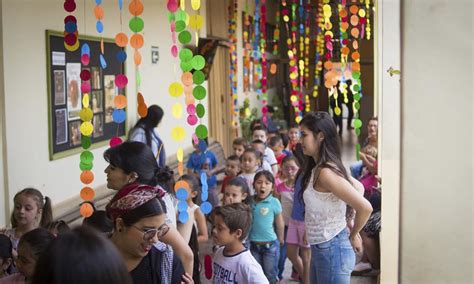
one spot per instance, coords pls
(247, 112)
(178, 133)
(196, 4)
(195, 22)
(361, 13)
(72, 48)
(87, 128)
(175, 89)
(298, 119)
(85, 100)
(337, 111)
(180, 154)
(86, 114)
(177, 110)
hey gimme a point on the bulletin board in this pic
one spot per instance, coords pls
(65, 98)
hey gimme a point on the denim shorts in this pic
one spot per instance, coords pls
(332, 262)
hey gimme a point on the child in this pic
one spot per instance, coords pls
(233, 263)
(285, 193)
(239, 145)
(204, 161)
(264, 243)
(294, 135)
(194, 231)
(368, 179)
(236, 191)
(31, 211)
(276, 144)
(232, 169)
(249, 163)
(285, 140)
(259, 146)
(6, 257)
(260, 133)
(30, 247)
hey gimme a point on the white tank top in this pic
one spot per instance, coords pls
(325, 214)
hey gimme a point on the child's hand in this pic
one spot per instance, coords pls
(282, 241)
(186, 278)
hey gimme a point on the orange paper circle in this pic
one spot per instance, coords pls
(87, 193)
(140, 98)
(99, 12)
(343, 13)
(142, 110)
(120, 101)
(355, 55)
(273, 68)
(121, 39)
(180, 168)
(355, 66)
(135, 7)
(189, 100)
(328, 65)
(86, 210)
(355, 44)
(344, 26)
(137, 58)
(354, 9)
(181, 184)
(354, 20)
(345, 50)
(87, 177)
(355, 32)
(187, 78)
(102, 45)
(136, 41)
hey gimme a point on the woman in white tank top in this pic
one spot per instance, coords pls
(327, 191)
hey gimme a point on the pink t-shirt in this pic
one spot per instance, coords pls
(16, 278)
(287, 195)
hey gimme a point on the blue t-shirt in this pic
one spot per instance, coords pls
(298, 205)
(198, 160)
(264, 213)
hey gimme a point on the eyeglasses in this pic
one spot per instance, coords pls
(290, 169)
(148, 235)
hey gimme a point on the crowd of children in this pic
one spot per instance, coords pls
(258, 216)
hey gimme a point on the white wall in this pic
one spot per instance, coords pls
(4, 188)
(24, 23)
(436, 179)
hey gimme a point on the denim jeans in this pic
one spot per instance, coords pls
(282, 258)
(333, 261)
(267, 255)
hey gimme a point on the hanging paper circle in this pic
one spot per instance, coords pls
(201, 131)
(184, 37)
(180, 15)
(86, 114)
(103, 63)
(356, 105)
(136, 41)
(203, 175)
(70, 39)
(85, 75)
(191, 109)
(120, 101)
(181, 184)
(137, 58)
(86, 142)
(180, 26)
(142, 109)
(175, 89)
(135, 8)
(174, 50)
(98, 2)
(185, 54)
(182, 194)
(85, 87)
(85, 167)
(73, 47)
(189, 100)
(199, 92)
(187, 78)
(202, 145)
(192, 119)
(182, 206)
(177, 110)
(195, 22)
(114, 141)
(172, 5)
(136, 24)
(121, 56)
(198, 62)
(99, 26)
(195, 4)
(98, 12)
(86, 128)
(186, 66)
(183, 217)
(180, 154)
(357, 123)
(200, 110)
(121, 40)
(273, 68)
(198, 77)
(357, 131)
(178, 133)
(70, 27)
(121, 81)
(86, 210)
(87, 177)
(337, 111)
(206, 207)
(70, 18)
(85, 59)
(204, 195)
(87, 193)
(119, 115)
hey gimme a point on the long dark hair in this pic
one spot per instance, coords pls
(90, 258)
(38, 240)
(43, 203)
(136, 157)
(329, 155)
(149, 122)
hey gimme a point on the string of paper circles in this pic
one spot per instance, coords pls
(71, 35)
(233, 14)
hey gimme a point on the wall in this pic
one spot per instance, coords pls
(24, 23)
(437, 166)
(3, 179)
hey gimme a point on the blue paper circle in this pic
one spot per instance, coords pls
(120, 3)
(99, 26)
(70, 27)
(204, 195)
(182, 206)
(119, 115)
(103, 63)
(203, 178)
(204, 187)
(85, 49)
(206, 207)
(98, 2)
(183, 217)
(181, 194)
(202, 145)
(121, 56)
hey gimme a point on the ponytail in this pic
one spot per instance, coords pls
(47, 213)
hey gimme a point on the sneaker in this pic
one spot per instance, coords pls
(361, 267)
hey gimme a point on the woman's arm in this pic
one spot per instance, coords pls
(180, 248)
(201, 226)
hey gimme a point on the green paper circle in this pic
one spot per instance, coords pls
(198, 77)
(136, 24)
(344, 35)
(199, 92)
(201, 131)
(258, 85)
(180, 26)
(184, 37)
(357, 105)
(85, 167)
(186, 66)
(171, 17)
(180, 15)
(87, 157)
(357, 131)
(357, 123)
(198, 62)
(358, 151)
(356, 88)
(86, 142)
(138, 78)
(356, 97)
(185, 54)
(355, 74)
(200, 110)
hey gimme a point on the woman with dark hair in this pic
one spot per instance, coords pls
(145, 131)
(81, 256)
(327, 191)
(132, 164)
(138, 214)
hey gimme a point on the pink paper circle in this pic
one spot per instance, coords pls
(174, 51)
(195, 138)
(70, 38)
(264, 110)
(85, 59)
(114, 141)
(69, 6)
(192, 119)
(121, 81)
(173, 26)
(70, 18)
(191, 109)
(173, 37)
(172, 6)
(85, 87)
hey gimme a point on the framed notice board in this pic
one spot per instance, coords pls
(65, 98)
